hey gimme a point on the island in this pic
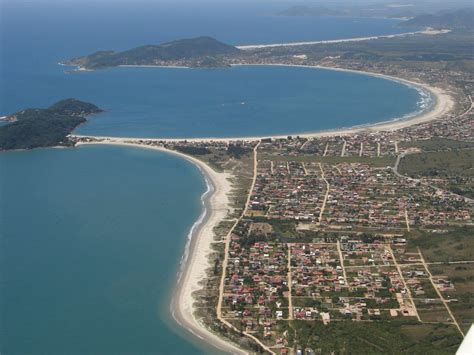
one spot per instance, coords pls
(44, 127)
(194, 52)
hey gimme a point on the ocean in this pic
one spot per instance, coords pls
(91, 238)
(236, 102)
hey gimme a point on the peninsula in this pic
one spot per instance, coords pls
(44, 127)
(194, 52)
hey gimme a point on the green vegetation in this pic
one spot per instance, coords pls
(395, 337)
(462, 297)
(205, 48)
(237, 151)
(437, 144)
(192, 150)
(444, 163)
(460, 19)
(33, 128)
(452, 51)
(235, 158)
(456, 244)
(455, 168)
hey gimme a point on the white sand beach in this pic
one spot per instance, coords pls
(217, 204)
(427, 31)
(442, 106)
(196, 261)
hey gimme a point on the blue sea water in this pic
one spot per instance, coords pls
(36, 36)
(91, 238)
(91, 241)
(236, 102)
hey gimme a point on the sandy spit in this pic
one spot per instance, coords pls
(427, 31)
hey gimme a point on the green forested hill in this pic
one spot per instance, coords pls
(194, 48)
(33, 128)
(459, 20)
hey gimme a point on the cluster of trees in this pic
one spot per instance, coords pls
(394, 337)
(237, 151)
(459, 19)
(34, 128)
(193, 150)
(33, 133)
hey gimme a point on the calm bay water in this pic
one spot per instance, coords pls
(236, 102)
(35, 36)
(91, 238)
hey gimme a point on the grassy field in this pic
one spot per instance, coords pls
(437, 144)
(346, 337)
(439, 164)
(456, 244)
(452, 170)
(462, 297)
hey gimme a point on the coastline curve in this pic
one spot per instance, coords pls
(442, 104)
(215, 200)
(194, 261)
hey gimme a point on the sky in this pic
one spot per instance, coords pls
(290, 2)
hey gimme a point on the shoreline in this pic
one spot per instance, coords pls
(215, 200)
(426, 31)
(443, 104)
(152, 66)
(195, 262)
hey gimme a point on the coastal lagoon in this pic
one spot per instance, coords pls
(91, 238)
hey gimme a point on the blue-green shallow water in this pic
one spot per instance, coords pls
(91, 239)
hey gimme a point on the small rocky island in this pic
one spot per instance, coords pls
(44, 127)
(199, 52)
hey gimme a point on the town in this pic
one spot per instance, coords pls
(362, 234)
(334, 230)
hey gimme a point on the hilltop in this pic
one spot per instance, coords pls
(199, 52)
(44, 127)
(458, 20)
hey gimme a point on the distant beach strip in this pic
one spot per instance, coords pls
(427, 31)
